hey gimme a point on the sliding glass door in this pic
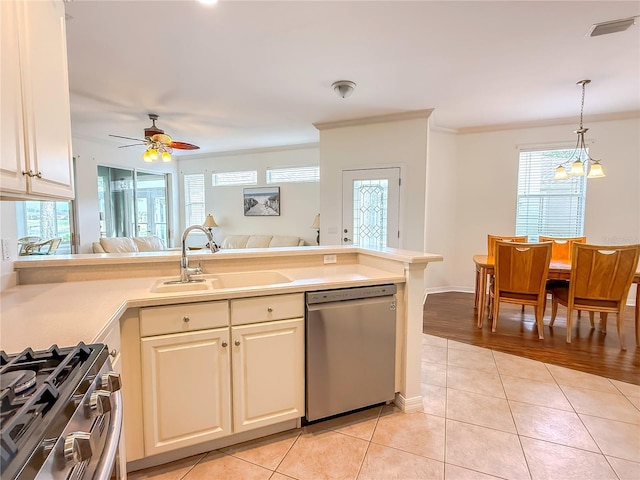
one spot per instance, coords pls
(133, 203)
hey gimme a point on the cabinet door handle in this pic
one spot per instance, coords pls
(186, 319)
(113, 353)
(224, 344)
(269, 309)
(39, 175)
(237, 343)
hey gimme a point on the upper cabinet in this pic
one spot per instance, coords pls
(35, 127)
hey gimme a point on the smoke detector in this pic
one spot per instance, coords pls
(344, 88)
(611, 26)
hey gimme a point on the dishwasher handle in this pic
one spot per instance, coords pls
(345, 294)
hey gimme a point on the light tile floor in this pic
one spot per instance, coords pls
(485, 415)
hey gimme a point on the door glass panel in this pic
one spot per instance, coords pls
(132, 203)
(370, 212)
(370, 207)
(151, 192)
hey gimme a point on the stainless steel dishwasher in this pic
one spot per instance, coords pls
(350, 346)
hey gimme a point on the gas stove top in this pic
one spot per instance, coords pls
(42, 395)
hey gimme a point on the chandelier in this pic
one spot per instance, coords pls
(580, 162)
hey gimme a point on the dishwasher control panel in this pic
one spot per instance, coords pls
(355, 293)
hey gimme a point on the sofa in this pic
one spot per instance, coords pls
(149, 243)
(261, 241)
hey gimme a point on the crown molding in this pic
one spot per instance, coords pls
(391, 117)
(606, 117)
(249, 151)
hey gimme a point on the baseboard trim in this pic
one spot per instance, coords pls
(408, 405)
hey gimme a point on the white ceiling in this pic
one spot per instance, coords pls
(241, 75)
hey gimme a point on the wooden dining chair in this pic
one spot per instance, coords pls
(491, 247)
(561, 246)
(521, 270)
(600, 279)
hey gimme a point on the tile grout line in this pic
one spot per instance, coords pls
(368, 444)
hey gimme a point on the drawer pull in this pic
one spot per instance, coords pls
(269, 309)
(186, 319)
(237, 342)
(113, 353)
(224, 344)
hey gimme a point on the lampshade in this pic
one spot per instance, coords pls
(577, 169)
(561, 173)
(316, 222)
(596, 171)
(209, 222)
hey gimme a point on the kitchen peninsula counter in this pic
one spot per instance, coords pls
(65, 299)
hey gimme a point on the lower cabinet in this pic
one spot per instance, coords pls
(268, 373)
(202, 380)
(186, 389)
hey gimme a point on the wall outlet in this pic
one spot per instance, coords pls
(330, 259)
(6, 252)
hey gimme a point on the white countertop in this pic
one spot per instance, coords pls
(40, 315)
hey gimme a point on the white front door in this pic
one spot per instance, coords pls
(371, 207)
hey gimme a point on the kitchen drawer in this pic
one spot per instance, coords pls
(264, 309)
(183, 318)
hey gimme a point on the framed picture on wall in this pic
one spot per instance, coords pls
(261, 201)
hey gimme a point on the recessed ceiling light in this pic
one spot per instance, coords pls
(611, 26)
(208, 2)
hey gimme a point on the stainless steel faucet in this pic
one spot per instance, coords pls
(185, 270)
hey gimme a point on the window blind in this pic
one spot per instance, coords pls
(546, 206)
(194, 199)
(246, 177)
(293, 174)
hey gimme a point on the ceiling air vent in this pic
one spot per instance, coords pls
(612, 26)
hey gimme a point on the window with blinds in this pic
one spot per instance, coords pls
(246, 177)
(546, 206)
(293, 174)
(194, 199)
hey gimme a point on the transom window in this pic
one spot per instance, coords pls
(245, 177)
(293, 174)
(546, 206)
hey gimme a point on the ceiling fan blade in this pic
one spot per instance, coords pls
(127, 138)
(183, 146)
(132, 145)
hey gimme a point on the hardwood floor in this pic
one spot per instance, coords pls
(451, 315)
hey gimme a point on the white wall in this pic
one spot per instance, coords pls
(88, 156)
(401, 143)
(486, 180)
(299, 202)
(441, 203)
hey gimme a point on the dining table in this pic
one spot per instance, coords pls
(558, 270)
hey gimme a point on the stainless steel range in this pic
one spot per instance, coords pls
(61, 414)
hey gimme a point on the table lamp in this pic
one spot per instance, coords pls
(316, 226)
(209, 223)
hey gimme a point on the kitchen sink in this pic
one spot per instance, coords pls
(248, 279)
(219, 281)
(172, 285)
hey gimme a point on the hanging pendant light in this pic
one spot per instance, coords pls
(580, 162)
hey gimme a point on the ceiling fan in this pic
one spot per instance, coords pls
(158, 143)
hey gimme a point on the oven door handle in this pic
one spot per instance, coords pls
(104, 469)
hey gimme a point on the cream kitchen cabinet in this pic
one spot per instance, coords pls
(35, 123)
(186, 377)
(268, 373)
(188, 352)
(268, 360)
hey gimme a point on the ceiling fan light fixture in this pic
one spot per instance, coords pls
(344, 88)
(166, 156)
(153, 153)
(147, 156)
